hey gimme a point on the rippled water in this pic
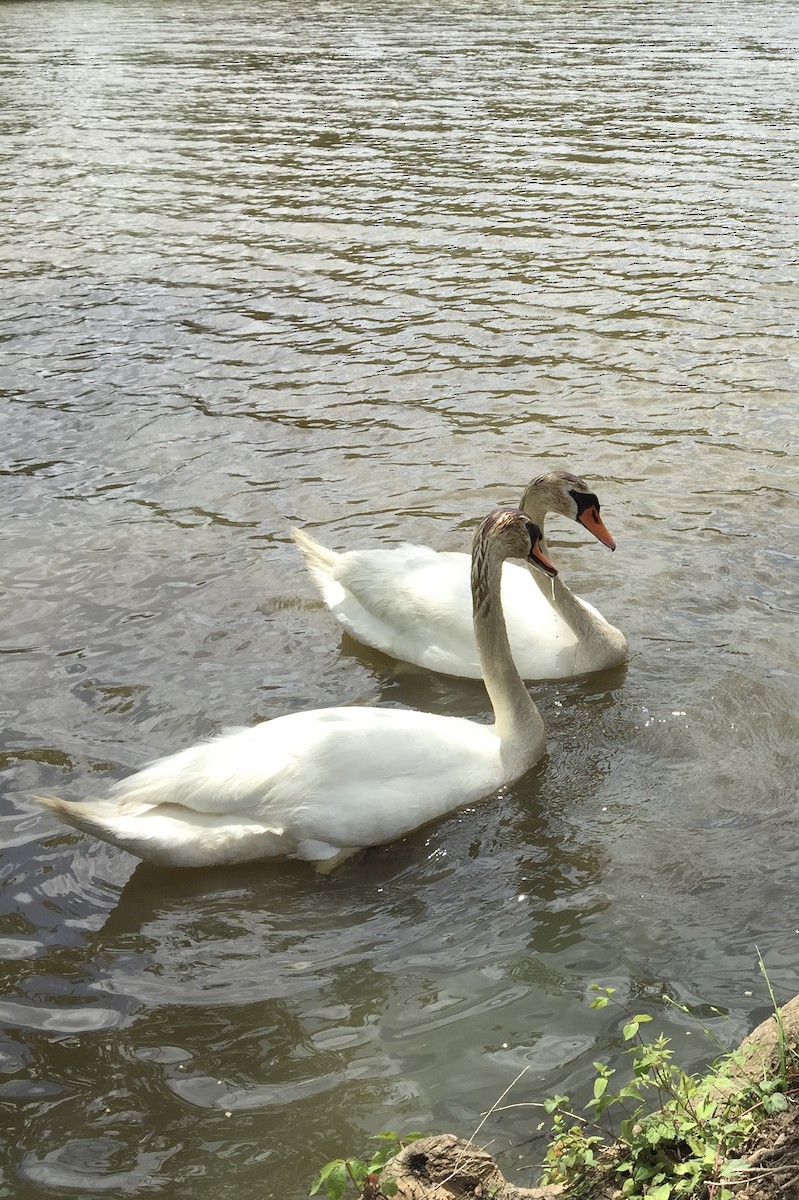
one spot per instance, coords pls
(370, 268)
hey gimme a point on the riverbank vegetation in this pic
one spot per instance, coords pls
(655, 1132)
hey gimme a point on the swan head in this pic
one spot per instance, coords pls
(506, 533)
(509, 533)
(561, 492)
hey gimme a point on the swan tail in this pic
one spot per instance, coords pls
(170, 834)
(59, 808)
(103, 820)
(321, 563)
(84, 814)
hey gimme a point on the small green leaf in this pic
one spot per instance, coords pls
(733, 1166)
(323, 1175)
(358, 1169)
(600, 1086)
(389, 1188)
(626, 1130)
(600, 1002)
(336, 1182)
(630, 1029)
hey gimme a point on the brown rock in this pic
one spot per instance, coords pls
(447, 1168)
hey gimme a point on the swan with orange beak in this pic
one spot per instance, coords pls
(322, 785)
(413, 603)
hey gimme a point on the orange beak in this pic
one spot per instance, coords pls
(539, 559)
(591, 519)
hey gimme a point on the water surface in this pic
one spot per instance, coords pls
(370, 268)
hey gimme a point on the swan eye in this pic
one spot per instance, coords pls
(584, 501)
(535, 535)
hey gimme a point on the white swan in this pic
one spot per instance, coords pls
(321, 785)
(413, 603)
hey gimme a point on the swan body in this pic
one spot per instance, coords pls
(414, 604)
(321, 785)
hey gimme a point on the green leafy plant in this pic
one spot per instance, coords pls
(363, 1173)
(691, 1140)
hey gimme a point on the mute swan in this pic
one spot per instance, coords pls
(321, 785)
(413, 603)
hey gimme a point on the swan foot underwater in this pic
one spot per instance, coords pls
(322, 785)
(414, 603)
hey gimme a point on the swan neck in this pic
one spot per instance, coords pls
(585, 625)
(518, 723)
(535, 506)
(596, 636)
(599, 643)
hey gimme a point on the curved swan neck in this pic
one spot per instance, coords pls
(535, 505)
(591, 630)
(518, 723)
(599, 641)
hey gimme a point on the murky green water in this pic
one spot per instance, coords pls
(370, 268)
